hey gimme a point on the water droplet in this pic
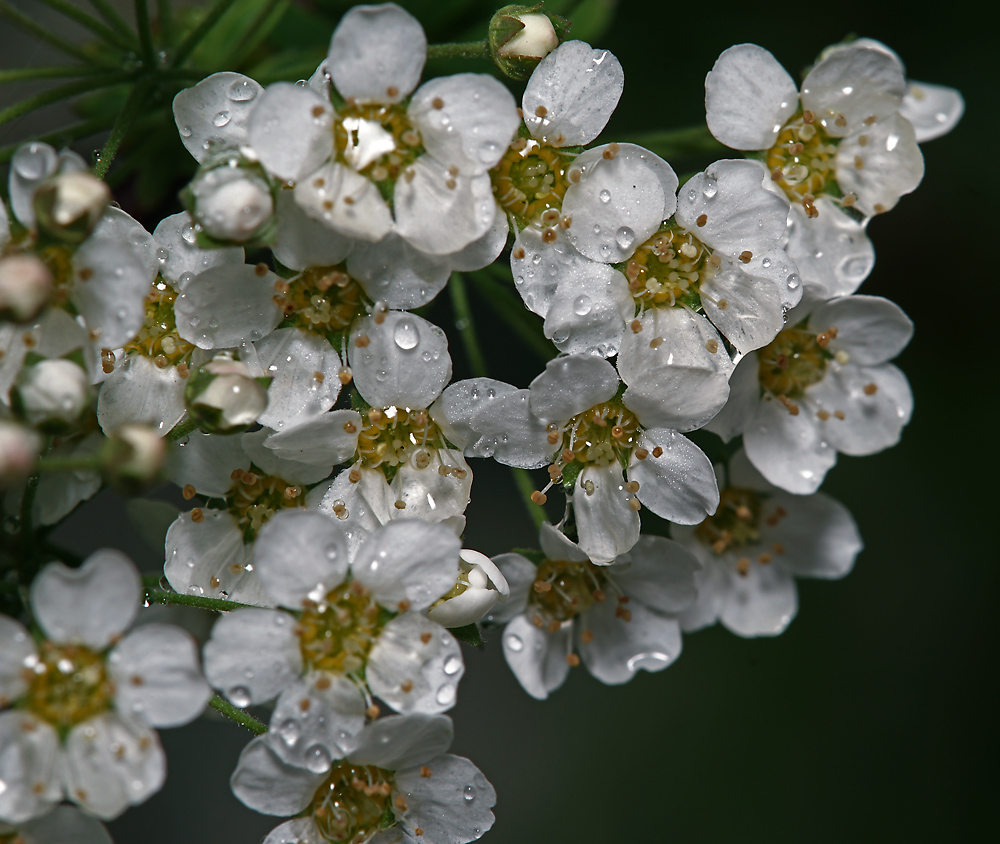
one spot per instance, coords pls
(710, 188)
(188, 234)
(318, 759)
(582, 305)
(469, 794)
(186, 131)
(597, 229)
(405, 334)
(221, 119)
(766, 263)
(793, 282)
(648, 661)
(241, 91)
(33, 161)
(289, 732)
(692, 195)
(514, 643)
(446, 695)
(605, 196)
(452, 665)
(605, 251)
(625, 237)
(332, 552)
(239, 695)
(162, 255)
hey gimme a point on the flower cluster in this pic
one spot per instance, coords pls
(310, 416)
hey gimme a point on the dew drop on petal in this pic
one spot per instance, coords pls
(452, 664)
(446, 695)
(582, 305)
(185, 131)
(469, 793)
(766, 263)
(605, 196)
(625, 237)
(289, 732)
(793, 282)
(710, 188)
(318, 759)
(241, 91)
(514, 643)
(221, 119)
(239, 695)
(31, 161)
(405, 334)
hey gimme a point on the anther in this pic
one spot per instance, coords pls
(399, 504)
(879, 208)
(712, 346)
(859, 162)
(632, 487)
(550, 236)
(305, 704)
(723, 304)
(641, 453)
(586, 637)
(373, 711)
(839, 414)
(354, 475)
(808, 117)
(611, 152)
(552, 437)
(656, 342)
(518, 253)
(777, 175)
(599, 595)
(361, 341)
(840, 121)
(634, 504)
(214, 582)
(554, 626)
(871, 389)
(746, 256)
(406, 686)
(539, 497)
(823, 415)
(764, 558)
(197, 515)
(568, 455)
(426, 637)
(572, 660)
(542, 586)
(189, 492)
(636, 326)
(657, 452)
(778, 548)
(541, 111)
(743, 566)
(261, 270)
(702, 219)
(623, 614)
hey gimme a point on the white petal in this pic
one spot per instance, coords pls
(226, 305)
(269, 786)
(606, 525)
(314, 720)
(207, 462)
(570, 385)
(870, 329)
(375, 49)
(271, 463)
(744, 394)
(15, 647)
(790, 451)
(405, 363)
(296, 831)
(324, 440)
(252, 655)
(60, 492)
(748, 97)
(394, 272)
(291, 130)
(366, 503)
(466, 120)
(31, 164)
(214, 112)
(661, 575)
(90, 605)
(451, 805)
(303, 241)
(402, 741)
(29, 750)
(65, 824)
(304, 368)
(818, 535)
(891, 164)
(178, 252)
(556, 546)
(539, 267)
(440, 212)
(157, 675)
(680, 485)
(711, 582)
(140, 392)
(761, 603)
(408, 560)
(300, 554)
(617, 204)
(753, 315)
(482, 252)
(113, 762)
(428, 494)
(934, 110)
(411, 674)
(520, 574)
(621, 647)
(587, 315)
(572, 94)
(345, 201)
(537, 657)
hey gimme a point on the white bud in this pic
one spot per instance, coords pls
(136, 455)
(53, 391)
(25, 285)
(480, 585)
(19, 448)
(231, 203)
(535, 41)
(224, 396)
(70, 204)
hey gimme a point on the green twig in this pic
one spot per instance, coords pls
(60, 137)
(110, 14)
(240, 716)
(63, 92)
(183, 428)
(25, 560)
(165, 13)
(511, 310)
(467, 50)
(159, 596)
(81, 17)
(136, 98)
(526, 487)
(465, 325)
(86, 463)
(194, 37)
(42, 33)
(145, 33)
(20, 74)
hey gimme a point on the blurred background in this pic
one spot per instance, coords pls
(872, 717)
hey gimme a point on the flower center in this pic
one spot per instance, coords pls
(531, 178)
(802, 161)
(59, 259)
(158, 338)
(601, 436)
(353, 803)
(736, 522)
(669, 268)
(336, 633)
(564, 589)
(394, 435)
(376, 140)
(793, 361)
(325, 300)
(255, 497)
(68, 684)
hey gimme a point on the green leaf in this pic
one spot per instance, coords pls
(592, 19)
(469, 634)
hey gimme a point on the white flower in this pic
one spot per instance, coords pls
(393, 784)
(535, 40)
(479, 586)
(761, 539)
(52, 392)
(619, 618)
(843, 135)
(62, 824)
(334, 641)
(432, 154)
(85, 698)
(231, 203)
(824, 385)
(25, 285)
(224, 396)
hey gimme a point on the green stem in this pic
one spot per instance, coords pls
(194, 37)
(145, 33)
(63, 92)
(526, 487)
(136, 98)
(159, 596)
(240, 716)
(60, 137)
(677, 142)
(465, 325)
(183, 428)
(21, 20)
(81, 17)
(20, 74)
(165, 13)
(88, 463)
(25, 567)
(110, 14)
(466, 50)
(511, 310)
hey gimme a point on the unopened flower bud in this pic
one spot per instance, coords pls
(521, 36)
(231, 203)
(25, 285)
(19, 447)
(479, 586)
(134, 456)
(68, 206)
(52, 394)
(224, 397)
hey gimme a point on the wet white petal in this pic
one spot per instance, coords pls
(272, 463)
(15, 647)
(139, 391)
(537, 657)
(269, 786)
(178, 253)
(303, 241)
(870, 329)
(394, 272)
(451, 805)
(29, 750)
(622, 645)
(934, 110)
(345, 201)
(660, 575)
(290, 130)
(428, 494)
(891, 164)
(557, 546)
(679, 485)
(207, 462)
(570, 385)
(325, 440)
(761, 603)
(214, 113)
(605, 523)
(588, 312)
(790, 451)
(226, 305)
(402, 741)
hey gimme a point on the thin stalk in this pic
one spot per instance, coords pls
(262, 26)
(518, 318)
(194, 37)
(159, 596)
(81, 17)
(21, 20)
(165, 13)
(60, 136)
(466, 50)
(240, 716)
(25, 560)
(135, 100)
(465, 325)
(183, 428)
(145, 33)
(110, 14)
(88, 463)
(63, 92)
(526, 487)
(21, 74)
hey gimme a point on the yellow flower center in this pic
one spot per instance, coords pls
(564, 589)
(255, 497)
(396, 435)
(793, 361)
(158, 338)
(802, 161)
(325, 300)
(531, 178)
(68, 684)
(736, 522)
(351, 805)
(605, 434)
(376, 140)
(669, 269)
(336, 634)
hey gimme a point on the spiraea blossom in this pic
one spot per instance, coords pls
(825, 385)
(350, 623)
(80, 704)
(394, 784)
(617, 618)
(759, 540)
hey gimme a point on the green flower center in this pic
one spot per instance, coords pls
(158, 338)
(531, 178)
(793, 361)
(353, 803)
(736, 522)
(803, 161)
(68, 684)
(605, 434)
(325, 300)
(564, 589)
(336, 634)
(255, 497)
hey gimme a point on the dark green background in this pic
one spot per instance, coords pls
(873, 717)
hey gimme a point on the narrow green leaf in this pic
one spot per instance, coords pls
(469, 634)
